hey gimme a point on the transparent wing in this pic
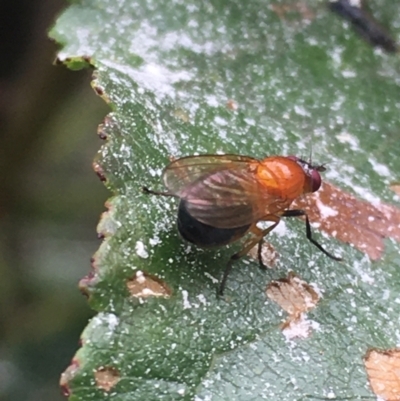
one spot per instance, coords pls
(225, 193)
(186, 170)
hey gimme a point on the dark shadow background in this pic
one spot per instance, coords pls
(50, 202)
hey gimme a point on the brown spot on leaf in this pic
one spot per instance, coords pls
(300, 7)
(108, 205)
(99, 171)
(144, 285)
(67, 375)
(182, 115)
(269, 255)
(106, 377)
(98, 90)
(293, 295)
(93, 261)
(383, 369)
(107, 225)
(232, 105)
(87, 283)
(296, 297)
(352, 220)
(101, 132)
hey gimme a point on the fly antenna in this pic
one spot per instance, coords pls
(311, 143)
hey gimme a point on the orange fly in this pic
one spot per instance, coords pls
(223, 197)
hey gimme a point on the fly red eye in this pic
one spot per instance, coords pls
(315, 180)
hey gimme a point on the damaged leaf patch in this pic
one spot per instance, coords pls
(269, 255)
(383, 369)
(296, 297)
(352, 220)
(144, 285)
(106, 377)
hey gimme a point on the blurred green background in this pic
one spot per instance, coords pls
(49, 205)
(50, 202)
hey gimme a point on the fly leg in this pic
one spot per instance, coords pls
(258, 233)
(259, 255)
(151, 192)
(258, 238)
(298, 213)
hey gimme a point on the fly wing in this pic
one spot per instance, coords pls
(229, 198)
(187, 170)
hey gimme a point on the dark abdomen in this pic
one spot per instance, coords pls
(202, 234)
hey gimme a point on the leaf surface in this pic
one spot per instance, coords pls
(252, 78)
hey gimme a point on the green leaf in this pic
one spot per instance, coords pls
(168, 70)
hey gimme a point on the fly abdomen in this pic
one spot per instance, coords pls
(205, 235)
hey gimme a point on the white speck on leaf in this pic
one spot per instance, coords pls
(141, 250)
(301, 111)
(212, 278)
(299, 328)
(349, 74)
(154, 241)
(325, 211)
(220, 121)
(202, 299)
(345, 137)
(140, 277)
(355, 3)
(186, 303)
(379, 168)
(112, 321)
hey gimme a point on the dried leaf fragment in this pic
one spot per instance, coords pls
(106, 377)
(269, 255)
(67, 376)
(296, 297)
(383, 369)
(144, 285)
(98, 169)
(352, 220)
(293, 294)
